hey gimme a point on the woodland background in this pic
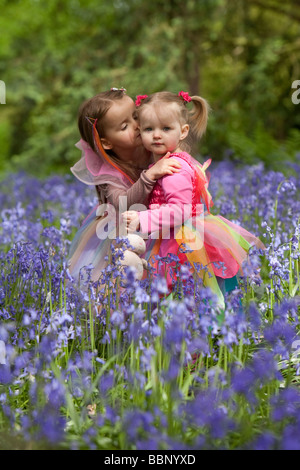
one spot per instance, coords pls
(241, 55)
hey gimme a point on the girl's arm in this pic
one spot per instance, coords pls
(177, 189)
(137, 193)
(140, 190)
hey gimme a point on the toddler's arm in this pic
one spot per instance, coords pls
(140, 190)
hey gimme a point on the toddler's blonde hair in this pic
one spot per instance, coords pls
(197, 117)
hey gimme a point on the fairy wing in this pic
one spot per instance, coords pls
(202, 182)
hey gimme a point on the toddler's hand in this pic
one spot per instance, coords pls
(164, 166)
(131, 220)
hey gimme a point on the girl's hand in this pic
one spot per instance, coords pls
(131, 220)
(164, 166)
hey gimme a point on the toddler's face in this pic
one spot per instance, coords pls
(121, 129)
(161, 129)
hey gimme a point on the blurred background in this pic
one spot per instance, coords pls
(241, 55)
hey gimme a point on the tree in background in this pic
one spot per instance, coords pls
(242, 55)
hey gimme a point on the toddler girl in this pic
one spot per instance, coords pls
(179, 206)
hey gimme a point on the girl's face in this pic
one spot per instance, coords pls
(121, 129)
(161, 129)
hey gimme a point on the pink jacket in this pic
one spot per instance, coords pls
(176, 205)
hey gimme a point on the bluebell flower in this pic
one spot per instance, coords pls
(111, 415)
(141, 296)
(55, 392)
(266, 441)
(254, 316)
(290, 438)
(286, 405)
(6, 376)
(51, 425)
(265, 366)
(106, 382)
(280, 333)
(137, 423)
(244, 382)
(152, 443)
(117, 318)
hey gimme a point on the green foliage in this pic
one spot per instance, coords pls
(260, 145)
(4, 139)
(242, 56)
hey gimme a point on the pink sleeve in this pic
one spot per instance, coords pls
(177, 190)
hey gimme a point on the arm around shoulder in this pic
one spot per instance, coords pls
(137, 193)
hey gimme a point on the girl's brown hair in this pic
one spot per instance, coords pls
(96, 108)
(196, 118)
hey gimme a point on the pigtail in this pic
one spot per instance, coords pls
(198, 116)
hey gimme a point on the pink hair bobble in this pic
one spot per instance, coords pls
(139, 99)
(185, 96)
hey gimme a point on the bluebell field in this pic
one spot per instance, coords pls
(118, 365)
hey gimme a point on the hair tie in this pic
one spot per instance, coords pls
(139, 99)
(185, 96)
(118, 89)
